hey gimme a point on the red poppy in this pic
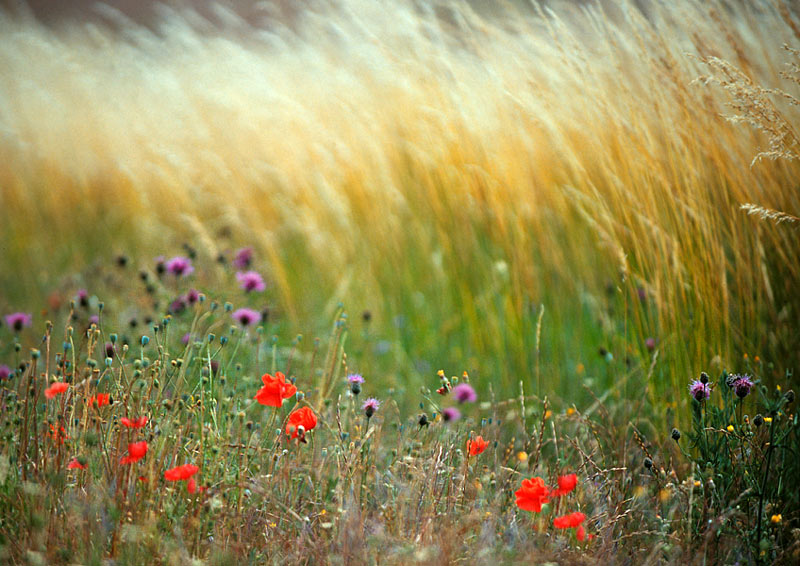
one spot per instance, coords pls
(565, 484)
(76, 464)
(102, 399)
(581, 533)
(476, 446)
(275, 390)
(303, 417)
(56, 388)
(183, 472)
(532, 495)
(58, 434)
(136, 451)
(569, 521)
(191, 486)
(133, 423)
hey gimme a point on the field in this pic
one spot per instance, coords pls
(584, 215)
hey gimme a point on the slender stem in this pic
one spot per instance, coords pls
(703, 427)
(764, 482)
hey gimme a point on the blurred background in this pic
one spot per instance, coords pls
(540, 193)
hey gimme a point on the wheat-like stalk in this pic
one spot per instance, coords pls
(763, 213)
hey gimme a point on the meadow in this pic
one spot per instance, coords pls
(408, 282)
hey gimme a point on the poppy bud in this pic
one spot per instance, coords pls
(676, 434)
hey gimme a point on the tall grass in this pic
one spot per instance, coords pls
(453, 172)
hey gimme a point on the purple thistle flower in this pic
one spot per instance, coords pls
(18, 320)
(185, 338)
(246, 317)
(179, 266)
(83, 297)
(192, 296)
(177, 306)
(741, 385)
(94, 319)
(355, 383)
(251, 281)
(243, 258)
(370, 406)
(5, 372)
(463, 393)
(650, 344)
(699, 390)
(451, 414)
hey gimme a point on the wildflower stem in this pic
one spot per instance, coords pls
(236, 349)
(764, 481)
(703, 428)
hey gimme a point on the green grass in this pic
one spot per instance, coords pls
(384, 489)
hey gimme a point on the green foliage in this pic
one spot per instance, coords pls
(747, 466)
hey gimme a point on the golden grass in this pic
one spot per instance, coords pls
(456, 168)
